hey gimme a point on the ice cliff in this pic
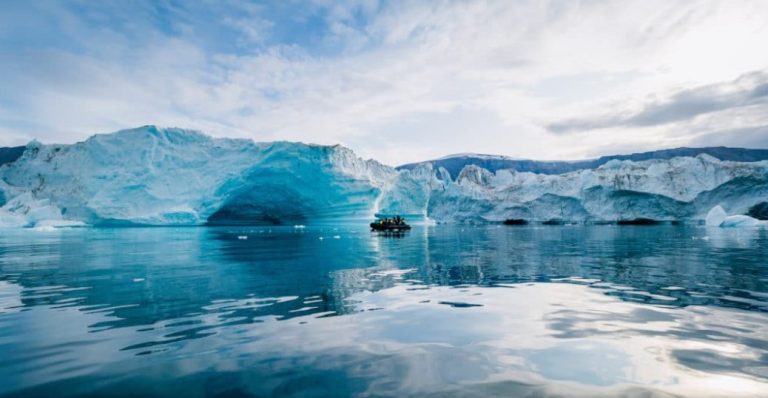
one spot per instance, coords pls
(172, 176)
(179, 177)
(682, 188)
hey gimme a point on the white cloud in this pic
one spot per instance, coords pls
(398, 81)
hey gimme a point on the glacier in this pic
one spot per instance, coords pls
(171, 176)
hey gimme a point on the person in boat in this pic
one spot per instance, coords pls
(395, 223)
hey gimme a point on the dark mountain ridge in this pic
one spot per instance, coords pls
(10, 154)
(455, 163)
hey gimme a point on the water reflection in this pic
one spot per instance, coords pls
(337, 311)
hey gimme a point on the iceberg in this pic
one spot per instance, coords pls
(171, 176)
(159, 176)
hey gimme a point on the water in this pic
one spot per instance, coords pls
(441, 311)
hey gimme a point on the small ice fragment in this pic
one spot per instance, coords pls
(303, 309)
(44, 228)
(336, 237)
(242, 237)
(138, 279)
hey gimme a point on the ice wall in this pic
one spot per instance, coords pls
(160, 176)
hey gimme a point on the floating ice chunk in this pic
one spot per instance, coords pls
(242, 237)
(44, 228)
(739, 221)
(716, 216)
(59, 224)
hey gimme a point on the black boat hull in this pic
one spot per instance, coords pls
(390, 228)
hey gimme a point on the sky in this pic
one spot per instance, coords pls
(395, 81)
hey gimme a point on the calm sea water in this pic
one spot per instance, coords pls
(442, 311)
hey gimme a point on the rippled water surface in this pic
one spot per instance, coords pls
(442, 311)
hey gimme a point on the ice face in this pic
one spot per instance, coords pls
(180, 177)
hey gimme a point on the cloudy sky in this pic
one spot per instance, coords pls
(396, 81)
